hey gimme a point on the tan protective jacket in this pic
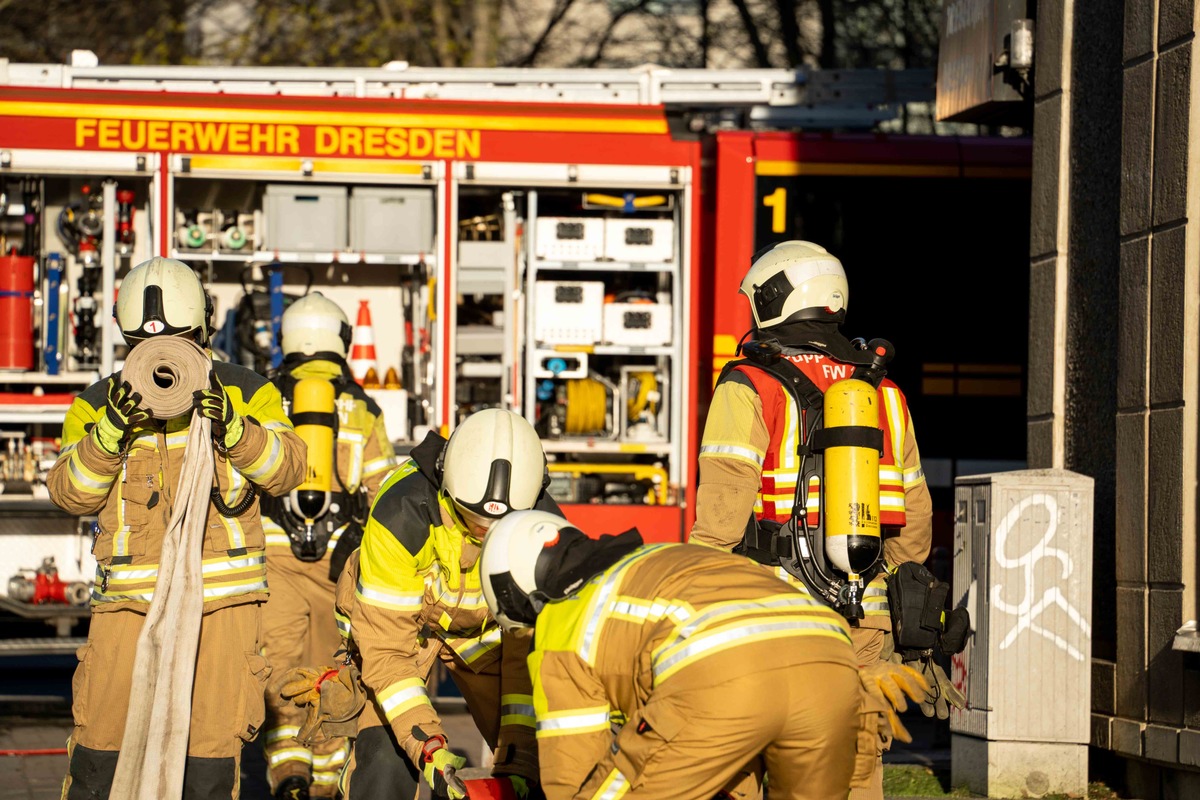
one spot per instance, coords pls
(662, 619)
(133, 494)
(417, 590)
(737, 436)
(364, 453)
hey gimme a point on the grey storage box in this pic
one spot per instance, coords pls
(391, 220)
(309, 218)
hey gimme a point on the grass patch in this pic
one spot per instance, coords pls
(914, 780)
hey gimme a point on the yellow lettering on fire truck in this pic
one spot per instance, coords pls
(188, 137)
(379, 142)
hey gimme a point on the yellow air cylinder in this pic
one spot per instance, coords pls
(852, 542)
(313, 416)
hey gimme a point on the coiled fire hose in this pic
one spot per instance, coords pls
(166, 371)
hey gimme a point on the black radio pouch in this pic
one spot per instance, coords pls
(920, 620)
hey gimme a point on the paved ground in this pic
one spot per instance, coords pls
(39, 777)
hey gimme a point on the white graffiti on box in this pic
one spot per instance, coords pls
(1027, 611)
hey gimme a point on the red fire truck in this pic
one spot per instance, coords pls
(564, 243)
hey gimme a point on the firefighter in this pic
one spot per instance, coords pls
(348, 447)
(412, 600)
(751, 455)
(119, 464)
(701, 660)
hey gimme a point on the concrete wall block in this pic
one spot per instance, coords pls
(1171, 134)
(1165, 679)
(1176, 19)
(1040, 394)
(1189, 748)
(1048, 48)
(1104, 687)
(1043, 218)
(1164, 545)
(1039, 452)
(1162, 743)
(1133, 331)
(1102, 731)
(1137, 148)
(1127, 737)
(1139, 29)
(1131, 653)
(1131, 499)
(1168, 254)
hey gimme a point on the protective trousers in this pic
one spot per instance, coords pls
(868, 647)
(299, 629)
(380, 770)
(227, 702)
(801, 720)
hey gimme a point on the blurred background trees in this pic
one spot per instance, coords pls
(479, 33)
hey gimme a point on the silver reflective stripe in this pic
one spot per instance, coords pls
(477, 647)
(799, 602)
(403, 696)
(705, 643)
(731, 450)
(600, 601)
(235, 563)
(84, 480)
(406, 600)
(515, 709)
(291, 754)
(616, 789)
(573, 722)
(271, 462)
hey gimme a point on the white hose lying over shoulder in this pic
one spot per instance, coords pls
(154, 749)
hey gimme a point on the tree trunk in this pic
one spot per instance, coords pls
(761, 57)
(828, 58)
(789, 31)
(442, 43)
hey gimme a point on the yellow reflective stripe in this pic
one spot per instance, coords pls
(85, 479)
(471, 650)
(325, 761)
(237, 537)
(712, 642)
(325, 777)
(278, 540)
(573, 721)
(890, 474)
(291, 754)
(517, 709)
(636, 610)
(614, 786)
(791, 433)
(343, 624)
(275, 425)
(378, 465)
(383, 598)
(913, 476)
(223, 577)
(895, 411)
(734, 451)
(403, 696)
(268, 461)
(272, 735)
(891, 500)
(597, 606)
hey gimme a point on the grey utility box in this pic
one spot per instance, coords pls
(386, 219)
(1023, 569)
(309, 218)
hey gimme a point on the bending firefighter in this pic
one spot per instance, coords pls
(118, 463)
(809, 463)
(700, 661)
(410, 599)
(311, 531)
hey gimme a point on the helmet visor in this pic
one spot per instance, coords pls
(476, 524)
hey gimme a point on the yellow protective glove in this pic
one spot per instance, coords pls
(440, 766)
(886, 683)
(301, 685)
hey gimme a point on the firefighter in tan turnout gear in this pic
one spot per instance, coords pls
(702, 661)
(118, 463)
(311, 531)
(410, 598)
(769, 454)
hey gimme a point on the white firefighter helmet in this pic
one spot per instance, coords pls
(315, 324)
(493, 464)
(508, 565)
(795, 280)
(162, 297)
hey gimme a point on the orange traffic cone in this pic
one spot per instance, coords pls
(362, 346)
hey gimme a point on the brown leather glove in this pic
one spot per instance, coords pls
(333, 697)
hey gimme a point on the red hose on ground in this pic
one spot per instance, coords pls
(57, 751)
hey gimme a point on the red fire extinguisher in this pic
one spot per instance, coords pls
(16, 312)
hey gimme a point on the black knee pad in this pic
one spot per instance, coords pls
(91, 772)
(209, 778)
(382, 771)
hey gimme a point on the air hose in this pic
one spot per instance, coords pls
(166, 370)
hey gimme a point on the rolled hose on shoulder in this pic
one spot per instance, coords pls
(165, 371)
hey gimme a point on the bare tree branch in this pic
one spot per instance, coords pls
(615, 20)
(560, 11)
(441, 34)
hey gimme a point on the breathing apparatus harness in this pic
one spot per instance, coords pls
(797, 546)
(348, 508)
